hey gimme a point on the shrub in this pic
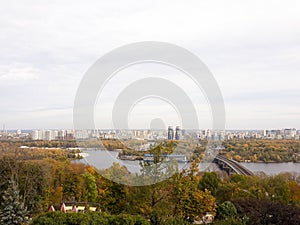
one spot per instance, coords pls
(94, 218)
(226, 210)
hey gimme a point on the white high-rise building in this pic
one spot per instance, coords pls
(35, 135)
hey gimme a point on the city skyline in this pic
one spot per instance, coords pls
(150, 134)
(251, 48)
(150, 112)
(97, 128)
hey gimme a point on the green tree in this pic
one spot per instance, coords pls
(277, 188)
(226, 210)
(152, 200)
(191, 203)
(94, 218)
(210, 181)
(91, 191)
(13, 211)
(113, 197)
(261, 212)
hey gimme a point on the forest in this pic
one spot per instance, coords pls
(262, 150)
(257, 150)
(34, 179)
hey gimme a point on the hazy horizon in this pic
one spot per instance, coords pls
(104, 129)
(251, 48)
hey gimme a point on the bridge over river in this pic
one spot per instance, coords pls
(104, 160)
(231, 166)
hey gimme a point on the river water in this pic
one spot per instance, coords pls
(102, 159)
(273, 168)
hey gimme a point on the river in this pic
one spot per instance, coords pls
(102, 159)
(273, 168)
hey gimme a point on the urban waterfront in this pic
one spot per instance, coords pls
(103, 159)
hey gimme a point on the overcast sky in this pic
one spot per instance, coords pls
(251, 47)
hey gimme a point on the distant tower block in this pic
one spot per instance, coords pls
(170, 133)
(4, 129)
(178, 133)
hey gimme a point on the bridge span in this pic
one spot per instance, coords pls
(231, 166)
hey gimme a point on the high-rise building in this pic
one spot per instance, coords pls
(35, 135)
(61, 134)
(4, 129)
(170, 133)
(81, 134)
(178, 133)
(47, 136)
(290, 132)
